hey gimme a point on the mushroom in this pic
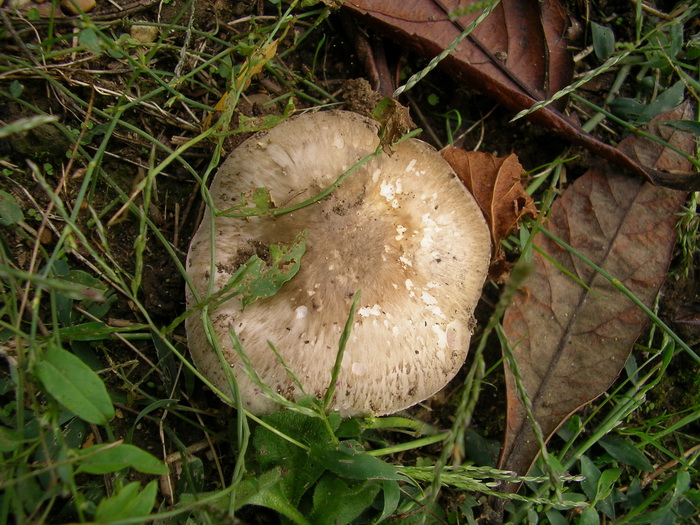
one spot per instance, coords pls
(401, 228)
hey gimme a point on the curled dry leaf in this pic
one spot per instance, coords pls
(496, 186)
(571, 339)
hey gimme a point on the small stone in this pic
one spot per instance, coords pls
(143, 33)
(75, 7)
(16, 4)
(41, 143)
(46, 237)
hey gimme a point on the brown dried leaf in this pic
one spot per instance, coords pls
(571, 342)
(394, 121)
(518, 50)
(50, 12)
(496, 186)
(518, 56)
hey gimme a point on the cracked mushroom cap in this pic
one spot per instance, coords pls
(401, 228)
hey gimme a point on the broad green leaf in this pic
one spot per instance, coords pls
(57, 443)
(255, 63)
(301, 470)
(603, 41)
(351, 428)
(154, 406)
(257, 202)
(128, 503)
(639, 113)
(682, 483)
(16, 89)
(591, 475)
(393, 121)
(667, 513)
(58, 285)
(10, 212)
(589, 516)
(338, 502)
(634, 494)
(625, 452)
(351, 461)
(84, 278)
(264, 122)
(689, 126)
(274, 498)
(308, 430)
(192, 477)
(29, 492)
(666, 101)
(555, 518)
(262, 199)
(10, 440)
(606, 483)
(224, 67)
(251, 486)
(89, 38)
(284, 264)
(311, 3)
(392, 496)
(264, 491)
(103, 459)
(88, 354)
(73, 384)
(93, 290)
(481, 450)
(693, 48)
(627, 108)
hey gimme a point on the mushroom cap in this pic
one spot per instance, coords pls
(401, 228)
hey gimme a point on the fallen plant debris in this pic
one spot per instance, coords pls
(497, 187)
(69, 11)
(570, 328)
(517, 52)
(518, 56)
